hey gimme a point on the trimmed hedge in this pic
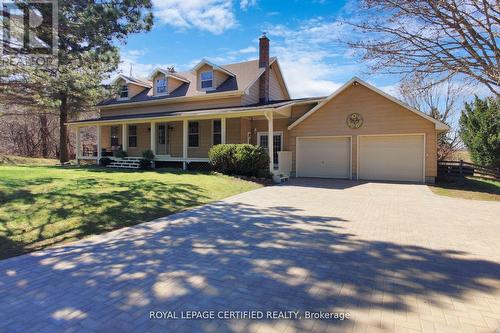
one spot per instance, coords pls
(239, 159)
(121, 154)
(104, 161)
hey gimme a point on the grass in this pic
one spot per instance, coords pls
(42, 206)
(20, 160)
(469, 188)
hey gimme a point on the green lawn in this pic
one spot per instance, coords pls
(41, 206)
(468, 188)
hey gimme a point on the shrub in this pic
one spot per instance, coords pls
(239, 159)
(144, 164)
(121, 154)
(148, 155)
(104, 161)
(480, 130)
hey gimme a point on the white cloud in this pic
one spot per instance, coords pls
(245, 4)
(130, 60)
(214, 16)
(313, 62)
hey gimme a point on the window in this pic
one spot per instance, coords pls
(132, 136)
(217, 132)
(161, 86)
(124, 91)
(114, 136)
(161, 134)
(206, 79)
(193, 134)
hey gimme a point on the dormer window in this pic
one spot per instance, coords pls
(206, 79)
(161, 86)
(124, 91)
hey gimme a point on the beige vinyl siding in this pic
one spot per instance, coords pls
(173, 84)
(276, 92)
(252, 97)
(198, 105)
(143, 140)
(245, 128)
(204, 139)
(233, 130)
(218, 76)
(299, 110)
(106, 136)
(134, 90)
(381, 116)
(175, 137)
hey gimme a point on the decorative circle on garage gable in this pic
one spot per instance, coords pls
(354, 120)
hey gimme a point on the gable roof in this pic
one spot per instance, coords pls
(439, 125)
(244, 74)
(132, 80)
(214, 66)
(167, 73)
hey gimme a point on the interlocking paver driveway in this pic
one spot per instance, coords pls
(396, 257)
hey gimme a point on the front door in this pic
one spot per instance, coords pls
(277, 143)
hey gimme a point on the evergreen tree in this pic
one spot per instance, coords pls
(480, 130)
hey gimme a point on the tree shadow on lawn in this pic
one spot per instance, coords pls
(231, 256)
(56, 212)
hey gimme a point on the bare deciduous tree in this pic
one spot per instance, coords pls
(440, 101)
(438, 38)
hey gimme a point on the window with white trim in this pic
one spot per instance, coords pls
(124, 91)
(206, 79)
(217, 132)
(193, 134)
(132, 136)
(161, 86)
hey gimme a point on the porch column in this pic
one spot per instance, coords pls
(270, 140)
(99, 149)
(153, 137)
(77, 148)
(223, 130)
(125, 137)
(185, 139)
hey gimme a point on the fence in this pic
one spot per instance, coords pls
(462, 169)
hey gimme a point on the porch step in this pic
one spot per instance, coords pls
(125, 163)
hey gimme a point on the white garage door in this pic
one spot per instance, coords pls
(396, 157)
(327, 157)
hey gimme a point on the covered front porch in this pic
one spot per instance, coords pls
(187, 138)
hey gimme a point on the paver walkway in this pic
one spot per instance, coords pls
(395, 257)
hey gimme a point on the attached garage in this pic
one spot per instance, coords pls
(391, 157)
(324, 157)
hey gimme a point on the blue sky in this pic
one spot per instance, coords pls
(304, 36)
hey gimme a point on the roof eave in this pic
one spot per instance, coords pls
(224, 94)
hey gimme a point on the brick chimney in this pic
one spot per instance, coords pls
(264, 63)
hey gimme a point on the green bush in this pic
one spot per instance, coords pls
(104, 161)
(148, 155)
(239, 159)
(144, 164)
(480, 130)
(121, 154)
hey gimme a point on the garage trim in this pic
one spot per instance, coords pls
(406, 134)
(322, 137)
